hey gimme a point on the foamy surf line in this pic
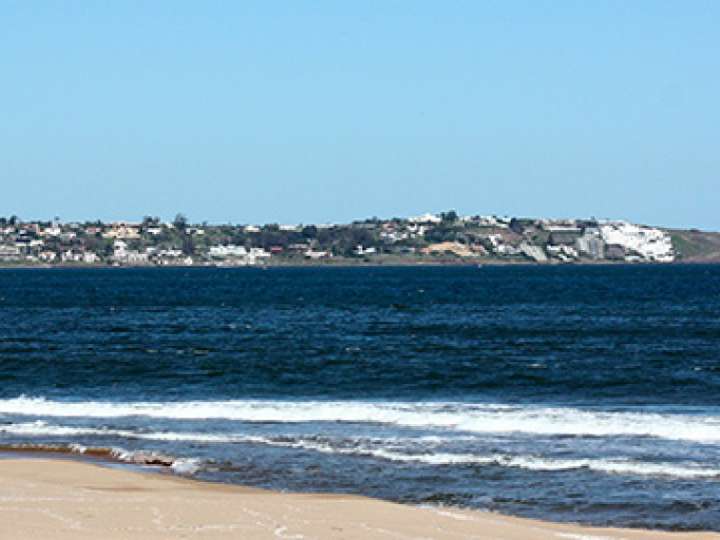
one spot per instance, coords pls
(190, 466)
(181, 466)
(465, 417)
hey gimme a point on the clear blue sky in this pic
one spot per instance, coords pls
(317, 111)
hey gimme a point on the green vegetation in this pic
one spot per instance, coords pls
(694, 245)
(446, 237)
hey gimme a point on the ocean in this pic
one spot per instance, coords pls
(570, 393)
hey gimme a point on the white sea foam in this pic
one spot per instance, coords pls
(186, 467)
(41, 428)
(455, 416)
(611, 466)
(536, 463)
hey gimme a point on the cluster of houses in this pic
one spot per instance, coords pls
(540, 240)
(430, 236)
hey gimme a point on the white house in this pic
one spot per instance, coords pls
(425, 218)
(231, 250)
(88, 257)
(360, 250)
(649, 243)
(315, 255)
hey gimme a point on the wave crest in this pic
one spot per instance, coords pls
(465, 417)
(190, 466)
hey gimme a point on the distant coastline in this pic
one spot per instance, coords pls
(429, 239)
(354, 264)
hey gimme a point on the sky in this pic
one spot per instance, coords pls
(328, 111)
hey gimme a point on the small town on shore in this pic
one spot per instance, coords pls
(445, 238)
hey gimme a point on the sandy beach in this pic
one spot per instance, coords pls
(57, 499)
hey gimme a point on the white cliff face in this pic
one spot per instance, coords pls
(651, 244)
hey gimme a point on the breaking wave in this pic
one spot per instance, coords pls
(191, 466)
(465, 417)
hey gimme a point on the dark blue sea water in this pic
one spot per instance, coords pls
(586, 394)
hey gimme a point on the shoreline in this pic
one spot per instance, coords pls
(73, 496)
(364, 264)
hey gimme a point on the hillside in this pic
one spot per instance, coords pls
(445, 238)
(695, 246)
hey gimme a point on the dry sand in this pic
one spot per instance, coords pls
(62, 499)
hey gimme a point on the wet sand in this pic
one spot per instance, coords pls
(65, 499)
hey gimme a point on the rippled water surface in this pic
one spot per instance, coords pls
(570, 393)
